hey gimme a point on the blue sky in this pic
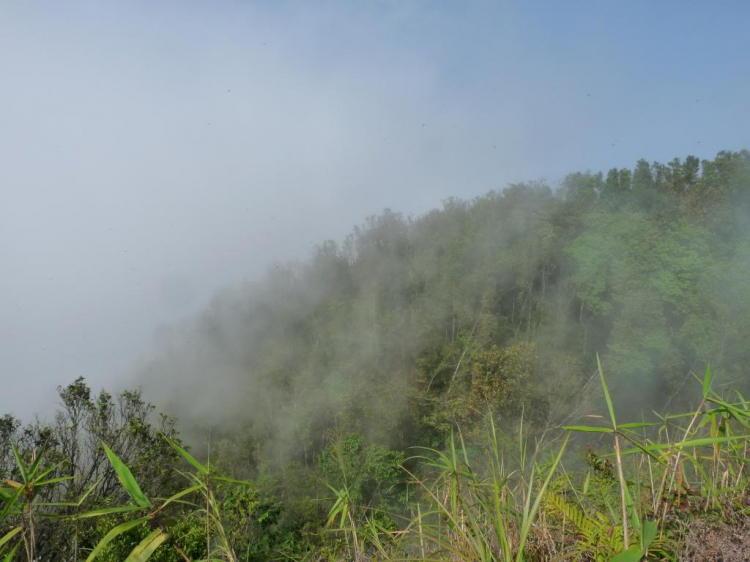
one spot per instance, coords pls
(155, 153)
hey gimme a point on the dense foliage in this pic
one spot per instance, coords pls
(441, 331)
(414, 324)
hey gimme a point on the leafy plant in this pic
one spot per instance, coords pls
(202, 483)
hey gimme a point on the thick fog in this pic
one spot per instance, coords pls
(153, 154)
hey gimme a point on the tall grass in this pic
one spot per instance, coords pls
(631, 502)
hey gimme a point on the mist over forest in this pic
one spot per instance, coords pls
(374, 281)
(347, 405)
(411, 326)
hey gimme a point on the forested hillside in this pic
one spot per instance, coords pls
(314, 385)
(412, 325)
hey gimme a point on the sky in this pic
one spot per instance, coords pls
(153, 154)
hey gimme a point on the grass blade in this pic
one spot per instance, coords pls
(146, 548)
(187, 456)
(9, 535)
(607, 397)
(127, 480)
(113, 534)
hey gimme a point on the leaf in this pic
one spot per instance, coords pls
(232, 481)
(181, 494)
(127, 480)
(146, 548)
(702, 442)
(606, 393)
(10, 503)
(707, 381)
(635, 519)
(47, 472)
(588, 429)
(35, 465)
(636, 425)
(80, 501)
(113, 534)
(54, 481)
(187, 456)
(19, 462)
(108, 511)
(736, 413)
(9, 535)
(649, 532)
(593, 530)
(12, 554)
(88, 492)
(643, 448)
(633, 554)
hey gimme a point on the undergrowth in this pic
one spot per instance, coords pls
(637, 495)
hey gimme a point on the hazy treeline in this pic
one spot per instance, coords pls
(414, 324)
